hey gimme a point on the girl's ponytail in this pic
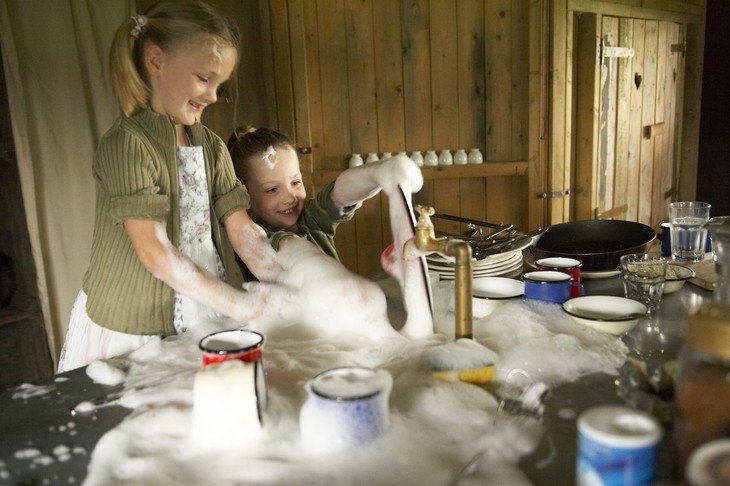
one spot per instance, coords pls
(125, 66)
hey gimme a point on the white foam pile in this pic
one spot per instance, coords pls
(436, 427)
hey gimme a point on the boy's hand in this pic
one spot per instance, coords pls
(398, 170)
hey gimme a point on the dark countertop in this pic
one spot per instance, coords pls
(42, 443)
(561, 433)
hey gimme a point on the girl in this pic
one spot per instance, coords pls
(267, 163)
(166, 193)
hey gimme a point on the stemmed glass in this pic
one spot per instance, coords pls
(643, 278)
(643, 380)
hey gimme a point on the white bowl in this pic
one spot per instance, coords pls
(605, 313)
(676, 276)
(497, 288)
(491, 292)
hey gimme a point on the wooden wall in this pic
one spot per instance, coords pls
(360, 76)
(345, 76)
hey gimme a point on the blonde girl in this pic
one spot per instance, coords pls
(169, 210)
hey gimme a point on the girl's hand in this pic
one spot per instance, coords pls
(267, 303)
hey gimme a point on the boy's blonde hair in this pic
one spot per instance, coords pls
(170, 24)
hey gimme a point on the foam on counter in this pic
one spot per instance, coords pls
(436, 427)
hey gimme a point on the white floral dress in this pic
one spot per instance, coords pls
(196, 239)
(86, 341)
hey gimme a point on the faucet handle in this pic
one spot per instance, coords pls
(424, 216)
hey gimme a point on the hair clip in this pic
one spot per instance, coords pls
(139, 22)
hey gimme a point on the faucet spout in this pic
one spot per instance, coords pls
(426, 241)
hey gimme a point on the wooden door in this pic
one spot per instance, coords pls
(628, 106)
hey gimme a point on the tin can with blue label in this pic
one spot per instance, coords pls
(617, 446)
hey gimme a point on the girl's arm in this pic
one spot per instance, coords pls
(250, 242)
(359, 183)
(168, 264)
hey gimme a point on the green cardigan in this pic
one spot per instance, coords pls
(135, 169)
(318, 222)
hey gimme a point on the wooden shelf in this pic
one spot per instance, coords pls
(441, 172)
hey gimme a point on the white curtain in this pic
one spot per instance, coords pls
(55, 60)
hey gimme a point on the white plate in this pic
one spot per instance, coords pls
(497, 288)
(491, 268)
(437, 261)
(599, 274)
(485, 262)
(512, 270)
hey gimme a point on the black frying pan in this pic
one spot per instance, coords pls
(599, 244)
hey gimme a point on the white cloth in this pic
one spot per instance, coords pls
(87, 341)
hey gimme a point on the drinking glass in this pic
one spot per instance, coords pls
(688, 231)
(643, 277)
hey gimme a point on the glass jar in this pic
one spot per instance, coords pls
(702, 390)
(719, 228)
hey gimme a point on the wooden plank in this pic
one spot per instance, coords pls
(498, 53)
(586, 117)
(282, 67)
(623, 117)
(519, 82)
(444, 75)
(538, 99)
(492, 169)
(675, 73)
(314, 87)
(474, 198)
(642, 9)
(389, 94)
(334, 132)
(608, 103)
(416, 75)
(389, 75)
(447, 199)
(661, 141)
(691, 103)
(561, 115)
(334, 84)
(471, 74)
(633, 167)
(363, 123)
(300, 87)
(500, 114)
(363, 116)
(647, 118)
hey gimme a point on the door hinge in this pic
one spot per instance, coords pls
(681, 47)
(603, 51)
(554, 194)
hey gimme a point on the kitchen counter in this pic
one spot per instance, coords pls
(567, 402)
(42, 443)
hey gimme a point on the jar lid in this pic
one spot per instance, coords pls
(709, 330)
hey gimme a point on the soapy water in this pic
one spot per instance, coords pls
(436, 427)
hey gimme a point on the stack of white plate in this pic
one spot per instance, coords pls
(507, 264)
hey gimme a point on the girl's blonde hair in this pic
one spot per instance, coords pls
(170, 24)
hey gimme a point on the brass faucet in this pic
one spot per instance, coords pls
(426, 241)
